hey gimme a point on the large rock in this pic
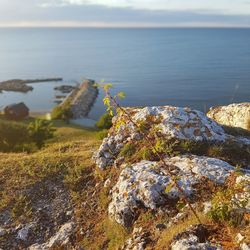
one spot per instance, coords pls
(234, 115)
(144, 183)
(173, 122)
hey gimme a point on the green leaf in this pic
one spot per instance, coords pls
(169, 187)
(121, 95)
(180, 205)
(107, 86)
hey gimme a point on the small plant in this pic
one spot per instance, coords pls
(40, 131)
(105, 121)
(114, 107)
(227, 207)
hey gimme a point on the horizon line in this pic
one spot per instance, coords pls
(128, 27)
(132, 25)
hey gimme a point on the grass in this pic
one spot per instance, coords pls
(67, 157)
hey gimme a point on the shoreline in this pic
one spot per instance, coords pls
(19, 85)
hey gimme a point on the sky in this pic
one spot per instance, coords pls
(125, 13)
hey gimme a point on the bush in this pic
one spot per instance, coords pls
(105, 121)
(227, 206)
(18, 137)
(39, 131)
(13, 136)
(62, 112)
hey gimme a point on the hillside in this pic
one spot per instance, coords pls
(60, 198)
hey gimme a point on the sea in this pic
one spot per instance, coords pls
(194, 67)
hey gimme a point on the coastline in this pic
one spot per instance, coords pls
(19, 85)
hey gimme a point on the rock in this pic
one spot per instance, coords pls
(214, 169)
(245, 246)
(160, 226)
(194, 238)
(244, 180)
(175, 220)
(239, 238)
(107, 183)
(2, 231)
(192, 243)
(65, 88)
(177, 123)
(24, 232)
(144, 183)
(61, 238)
(233, 115)
(138, 240)
(207, 206)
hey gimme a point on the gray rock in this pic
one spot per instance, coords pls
(2, 231)
(178, 123)
(233, 115)
(61, 238)
(144, 183)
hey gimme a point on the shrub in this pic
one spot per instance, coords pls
(39, 131)
(227, 206)
(105, 121)
(62, 112)
(12, 136)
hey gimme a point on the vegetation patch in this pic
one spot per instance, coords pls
(62, 112)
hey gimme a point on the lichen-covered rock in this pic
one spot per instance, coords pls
(173, 122)
(192, 243)
(245, 194)
(23, 233)
(144, 183)
(234, 115)
(194, 238)
(60, 239)
(138, 240)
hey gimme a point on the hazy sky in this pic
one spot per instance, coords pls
(123, 13)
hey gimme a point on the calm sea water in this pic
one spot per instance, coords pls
(184, 67)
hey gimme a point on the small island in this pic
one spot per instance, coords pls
(18, 85)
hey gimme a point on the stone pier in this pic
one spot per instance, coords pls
(82, 99)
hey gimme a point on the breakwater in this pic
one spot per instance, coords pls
(82, 99)
(19, 85)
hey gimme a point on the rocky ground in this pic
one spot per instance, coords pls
(142, 183)
(126, 197)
